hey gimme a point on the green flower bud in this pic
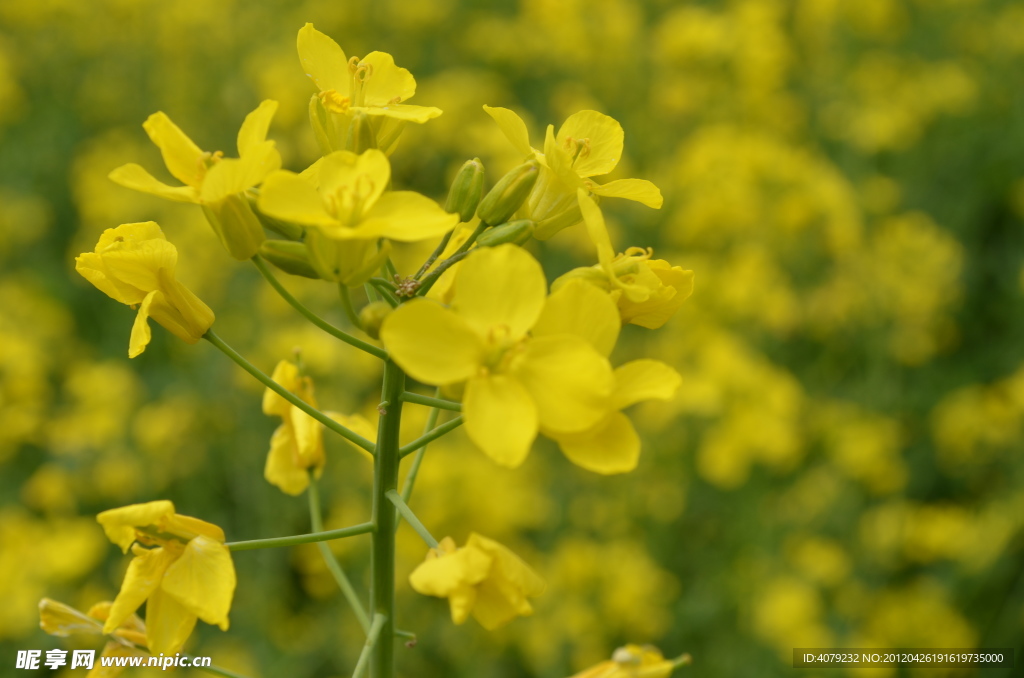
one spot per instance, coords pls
(361, 136)
(289, 256)
(235, 224)
(323, 128)
(372, 316)
(515, 232)
(466, 190)
(508, 194)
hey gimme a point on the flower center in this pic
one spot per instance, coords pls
(360, 72)
(577, 148)
(334, 102)
(349, 201)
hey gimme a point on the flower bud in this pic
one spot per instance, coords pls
(235, 224)
(553, 224)
(323, 128)
(372, 316)
(508, 194)
(466, 190)
(361, 136)
(515, 232)
(289, 256)
(351, 262)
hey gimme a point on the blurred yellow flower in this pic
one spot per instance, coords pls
(372, 85)
(634, 661)
(647, 291)
(588, 144)
(297, 445)
(62, 620)
(215, 182)
(134, 264)
(517, 381)
(483, 578)
(187, 574)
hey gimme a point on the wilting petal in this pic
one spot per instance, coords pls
(119, 524)
(323, 61)
(500, 288)
(285, 195)
(431, 343)
(138, 179)
(286, 374)
(141, 333)
(140, 581)
(610, 447)
(168, 623)
(501, 419)
(387, 82)
(62, 620)
(513, 128)
(254, 128)
(570, 382)
(183, 158)
(405, 216)
(640, 190)
(203, 580)
(601, 138)
(580, 308)
(644, 380)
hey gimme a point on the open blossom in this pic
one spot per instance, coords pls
(182, 571)
(212, 181)
(632, 661)
(483, 578)
(297, 445)
(647, 291)
(523, 371)
(134, 264)
(588, 144)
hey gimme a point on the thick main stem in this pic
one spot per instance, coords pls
(385, 479)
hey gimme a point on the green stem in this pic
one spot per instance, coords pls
(317, 524)
(313, 317)
(385, 479)
(434, 434)
(385, 289)
(296, 539)
(438, 403)
(350, 309)
(682, 660)
(298, 402)
(435, 254)
(411, 518)
(371, 294)
(379, 620)
(432, 277)
(417, 461)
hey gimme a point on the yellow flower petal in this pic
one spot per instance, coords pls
(404, 112)
(203, 580)
(596, 229)
(285, 195)
(138, 179)
(386, 82)
(595, 139)
(140, 581)
(62, 620)
(431, 343)
(644, 380)
(168, 623)
(230, 176)
(610, 447)
(513, 128)
(135, 267)
(281, 469)
(254, 128)
(179, 310)
(286, 374)
(570, 382)
(560, 162)
(119, 524)
(141, 333)
(503, 595)
(656, 311)
(501, 419)
(323, 61)
(500, 290)
(508, 566)
(188, 527)
(640, 190)
(442, 575)
(183, 158)
(580, 308)
(349, 176)
(356, 423)
(405, 216)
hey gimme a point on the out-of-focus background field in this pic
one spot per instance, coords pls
(842, 465)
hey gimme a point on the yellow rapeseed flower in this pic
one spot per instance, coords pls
(212, 181)
(647, 291)
(588, 144)
(633, 661)
(523, 370)
(62, 620)
(347, 209)
(483, 578)
(186, 575)
(134, 264)
(373, 86)
(297, 445)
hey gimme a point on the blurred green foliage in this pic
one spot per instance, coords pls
(842, 466)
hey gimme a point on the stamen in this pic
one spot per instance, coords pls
(353, 64)
(334, 102)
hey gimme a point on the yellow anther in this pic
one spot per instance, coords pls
(353, 64)
(363, 73)
(334, 102)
